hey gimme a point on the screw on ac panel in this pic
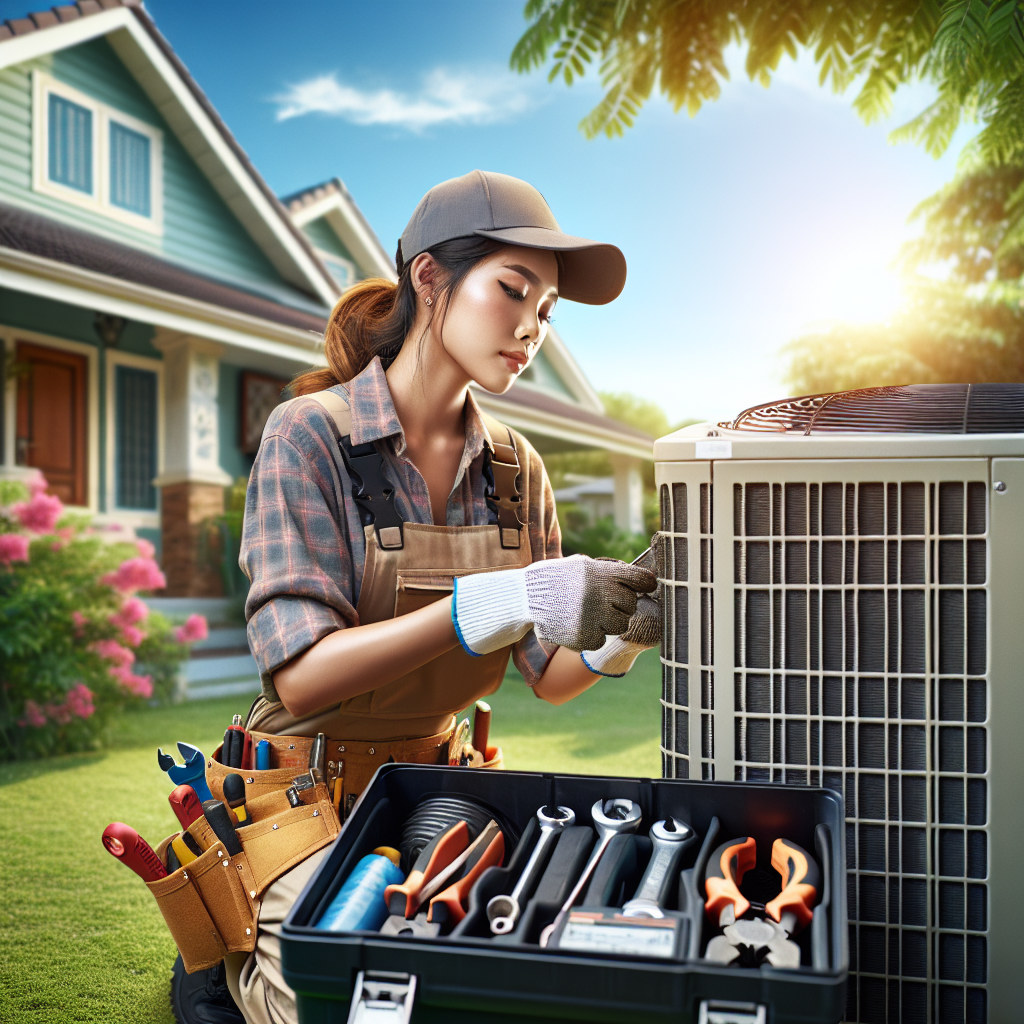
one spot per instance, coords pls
(999, 485)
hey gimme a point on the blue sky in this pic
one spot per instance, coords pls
(772, 210)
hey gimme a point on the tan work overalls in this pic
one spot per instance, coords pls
(408, 566)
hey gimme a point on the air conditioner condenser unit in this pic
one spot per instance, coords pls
(843, 582)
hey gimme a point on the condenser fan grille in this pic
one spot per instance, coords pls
(913, 409)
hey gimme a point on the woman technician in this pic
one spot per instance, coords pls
(371, 495)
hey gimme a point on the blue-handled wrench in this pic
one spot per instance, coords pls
(191, 773)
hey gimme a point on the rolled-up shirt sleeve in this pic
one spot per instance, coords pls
(296, 554)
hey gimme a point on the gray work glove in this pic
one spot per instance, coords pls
(616, 655)
(573, 602)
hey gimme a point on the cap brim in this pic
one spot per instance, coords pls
(590, 272)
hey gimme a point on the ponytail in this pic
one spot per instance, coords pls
(374, 317)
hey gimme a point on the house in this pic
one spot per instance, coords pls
(155, 295)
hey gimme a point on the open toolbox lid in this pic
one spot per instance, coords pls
(464, 973)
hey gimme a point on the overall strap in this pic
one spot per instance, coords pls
(371, 489)
(501, 473)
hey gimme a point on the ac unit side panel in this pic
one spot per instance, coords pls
(852, 649)
(684, 570)
(1006, 743)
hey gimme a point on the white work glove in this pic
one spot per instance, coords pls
(616, 655)
(572, 602)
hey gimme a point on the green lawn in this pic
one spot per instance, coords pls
(81, 939)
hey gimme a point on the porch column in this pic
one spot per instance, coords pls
(192, 483)
(629, 493)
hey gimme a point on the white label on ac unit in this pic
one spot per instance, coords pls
(712, 450)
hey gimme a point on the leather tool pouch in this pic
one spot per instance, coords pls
(211, 905)
(290, 754)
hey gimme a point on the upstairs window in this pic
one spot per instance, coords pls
(343, 272)
(130, 170)
(70, 144)
(96, 156)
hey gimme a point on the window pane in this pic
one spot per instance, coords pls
(70, 144)
(129, 169)
(340, 272)
(135, 437)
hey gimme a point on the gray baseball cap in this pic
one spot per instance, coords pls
(509, 210)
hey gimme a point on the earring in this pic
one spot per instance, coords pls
(429, 300)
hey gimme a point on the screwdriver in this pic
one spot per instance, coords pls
(124, 843)
(482, 727)
(182, 849)
(222, 823)
(219, 820)
(185, 804)
(726, 868)
(234, 794)
(234, 741)
(263, 756)
(801, 880)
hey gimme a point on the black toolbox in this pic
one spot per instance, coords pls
(504, 980)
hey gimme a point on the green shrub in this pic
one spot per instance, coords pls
(600, 539)
(76, 643)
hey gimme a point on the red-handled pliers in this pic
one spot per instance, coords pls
(766, 938)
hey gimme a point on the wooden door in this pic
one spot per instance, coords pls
(51, 434)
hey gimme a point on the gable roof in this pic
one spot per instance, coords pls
(186, 109)
(333, 201)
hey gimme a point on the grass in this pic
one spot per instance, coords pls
(81, 939)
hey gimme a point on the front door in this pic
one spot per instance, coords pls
(51, 433)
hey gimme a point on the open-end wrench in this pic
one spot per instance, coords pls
(191, 773)
(671, 838)
(610, 817)
(502, 910)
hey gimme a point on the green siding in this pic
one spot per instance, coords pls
(322, 235)
(544, 375)
(200, 231)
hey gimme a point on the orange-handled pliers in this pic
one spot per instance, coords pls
(405, 899)
(767, 939)
(446, 908)
(726, 868)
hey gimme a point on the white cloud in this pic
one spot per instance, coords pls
(445, 97)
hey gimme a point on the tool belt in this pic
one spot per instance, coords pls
(212, 904)
(348, 764)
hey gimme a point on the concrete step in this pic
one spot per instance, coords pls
(220, 665)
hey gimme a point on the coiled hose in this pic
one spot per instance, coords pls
(439, 812)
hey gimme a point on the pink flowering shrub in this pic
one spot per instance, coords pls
(194, 629)
(76, 642)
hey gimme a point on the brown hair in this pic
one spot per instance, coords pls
(374, 317)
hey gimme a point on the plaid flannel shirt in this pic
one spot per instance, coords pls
(303, 546)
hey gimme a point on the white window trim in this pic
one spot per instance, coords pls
(9, 337)
(329, 257)
(99, 199)
(132, 517)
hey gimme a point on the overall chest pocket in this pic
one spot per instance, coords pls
(450, 682)
(415, 591)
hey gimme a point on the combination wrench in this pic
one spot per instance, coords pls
(671, 838)
(503, 911)
(610, 817)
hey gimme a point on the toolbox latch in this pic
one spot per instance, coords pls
(717, 1011)
(383, 997)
